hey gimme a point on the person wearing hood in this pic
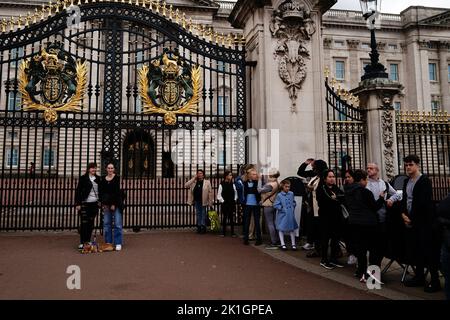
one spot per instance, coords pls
(363, 221)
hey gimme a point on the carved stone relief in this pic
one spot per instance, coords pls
(293, 27)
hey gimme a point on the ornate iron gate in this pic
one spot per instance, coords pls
(346, 130)
(41, 160)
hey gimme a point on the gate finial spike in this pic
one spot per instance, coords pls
(43, 12)
(4, 24)
(157, 5)
(28, 19)
(164, 9)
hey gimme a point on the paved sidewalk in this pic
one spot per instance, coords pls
(391, 289)
(157, 265)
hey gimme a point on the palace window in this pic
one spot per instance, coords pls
(222, 102)
(49, 157)
(340, 70)
(14, 101)
(393, 74)
(12, 135)
(339, 44)
(392, 47)
(222, 66)
(435, 106)
(49, 136)
(432, 67)
(449, 73)
(397, 105)
(12, 157)
(16, 55)
(365, 45)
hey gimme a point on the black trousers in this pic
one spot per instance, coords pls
(424, 251)
(313, 230)
(88, 213)
(365, 238)
(228, 210)
(330, 234)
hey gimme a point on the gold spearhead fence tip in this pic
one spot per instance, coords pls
(327, 72)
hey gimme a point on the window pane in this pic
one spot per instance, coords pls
(449, 73)
(49, 158)
(12, 157)
(397, 106)
(223, 105)
(340, 70)
(14, 101)
(393, 75)
(432, 68)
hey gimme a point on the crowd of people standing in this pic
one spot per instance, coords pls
(354, 216)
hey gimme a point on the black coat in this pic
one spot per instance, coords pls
(329, 208)
(110, 193)
(361, 205)
(422, 211)
(84, 188)
(302, 172)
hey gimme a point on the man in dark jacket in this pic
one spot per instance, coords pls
(363, 221)
(419, 218)
(443, 214)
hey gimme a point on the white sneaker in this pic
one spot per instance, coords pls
(118, 247)
(352, 260)
(308, 246)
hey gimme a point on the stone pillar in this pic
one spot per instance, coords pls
(353, 60)
(425, 102)
(376, 98)
(285, 51)
(443, 76)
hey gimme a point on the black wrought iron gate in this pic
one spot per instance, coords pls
(346, 130)
(41, 161)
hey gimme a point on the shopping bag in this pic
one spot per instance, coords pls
(214, 220)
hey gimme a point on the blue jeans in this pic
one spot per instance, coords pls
(445, 268)
(201, 214)
(108, 226)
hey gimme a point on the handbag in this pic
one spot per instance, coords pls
(214, 220)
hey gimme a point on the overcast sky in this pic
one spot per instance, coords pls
(393, 6)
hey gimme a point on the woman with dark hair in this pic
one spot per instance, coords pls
(330, 218)
(86, 202)
(363, 220)
(348, 180)
(111, 200)
(227, 196)
(312, 217)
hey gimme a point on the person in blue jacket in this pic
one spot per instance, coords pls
(285, 218)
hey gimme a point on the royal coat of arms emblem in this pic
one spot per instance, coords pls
(52, 81)
(170, 86)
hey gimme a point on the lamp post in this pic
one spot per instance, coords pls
(375, 69)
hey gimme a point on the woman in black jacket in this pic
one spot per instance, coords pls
(111, 199)
(330, 218)
(363, 221)
(86, 202)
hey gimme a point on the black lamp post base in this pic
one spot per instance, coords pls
(374, 74)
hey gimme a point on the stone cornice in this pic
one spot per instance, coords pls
(242, 9)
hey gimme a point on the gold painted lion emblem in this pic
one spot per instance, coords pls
(170, 86)
(53, 82)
